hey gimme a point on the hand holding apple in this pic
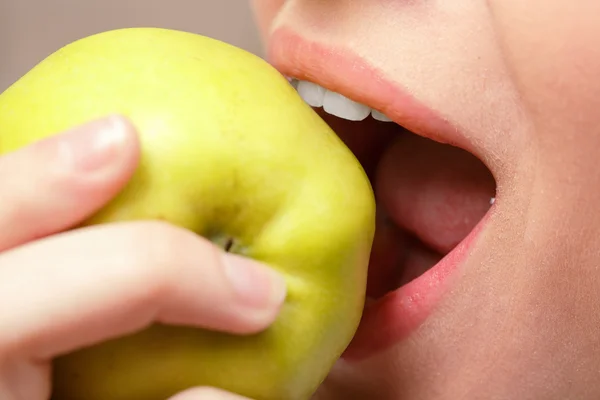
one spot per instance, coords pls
(228, 151)
(64, 291)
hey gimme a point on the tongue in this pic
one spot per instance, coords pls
(418, 259)
(430, 197)
(434, 191)
(388, 256)
(396, 258)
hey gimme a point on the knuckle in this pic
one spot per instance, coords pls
(15, 211)
(16, 200)
(156, 252)
(36, 186)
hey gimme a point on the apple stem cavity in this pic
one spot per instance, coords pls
(228, 244)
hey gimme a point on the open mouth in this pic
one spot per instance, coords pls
(433, 195)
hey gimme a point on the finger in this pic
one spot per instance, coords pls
(59, 181)
(93, 284)
(206, 393)
(435, 191)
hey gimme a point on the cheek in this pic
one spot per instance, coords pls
(552, 49)
(265, 12)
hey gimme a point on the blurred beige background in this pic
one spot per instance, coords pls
(32, 29)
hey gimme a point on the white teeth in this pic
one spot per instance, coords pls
(379, 116)
(343, 107)
(312, 93)
(334, 103)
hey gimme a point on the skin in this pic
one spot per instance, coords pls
(521, 320)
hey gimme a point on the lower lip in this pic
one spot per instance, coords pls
(395, 316)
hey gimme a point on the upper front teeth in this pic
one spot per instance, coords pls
(379, 116)
(312, 93)
(334, 103)
(343, 107)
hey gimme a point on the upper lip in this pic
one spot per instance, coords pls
(341, 71)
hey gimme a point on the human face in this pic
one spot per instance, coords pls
(501, 98)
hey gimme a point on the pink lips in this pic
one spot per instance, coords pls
(396, 315)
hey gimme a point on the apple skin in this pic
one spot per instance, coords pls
(229, 150)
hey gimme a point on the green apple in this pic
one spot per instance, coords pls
(231, 152)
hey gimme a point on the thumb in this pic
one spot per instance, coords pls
(207, 393)
(58, 182)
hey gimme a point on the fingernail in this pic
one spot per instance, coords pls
(95, 144)
(256, 285)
